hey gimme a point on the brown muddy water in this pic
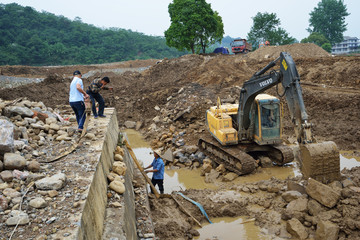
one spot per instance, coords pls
(222, 228)
(231, 228)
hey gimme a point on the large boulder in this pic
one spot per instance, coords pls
(6, 176)
(298, 205)
(293, 186)
(17, 217)
(322, 193)
(119, 168)
(326, 230)
(117, 186)
(295, 228)
(17, 110)
(14, 161)
(191, 149)
(11, 193)
(54, 182)
(130, 124)
(168, 155)
(314, 207)
(211, 176)
(230, 177)
(38, 203)
(6, 136)
(4, 203)
(289, 196)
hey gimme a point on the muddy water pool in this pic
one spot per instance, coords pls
(174, 179)
(231, 228)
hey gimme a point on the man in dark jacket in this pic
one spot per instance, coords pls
(93, 92)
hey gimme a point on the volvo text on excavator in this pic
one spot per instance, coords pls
(245, 132)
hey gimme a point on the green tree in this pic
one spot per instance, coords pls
(267, 26)
(194, 25)
(328, 18)
(316, 38)
(327, 47)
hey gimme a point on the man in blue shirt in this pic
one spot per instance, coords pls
(76, 99)
(158, 171)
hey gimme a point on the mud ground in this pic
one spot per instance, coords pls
(331, 94)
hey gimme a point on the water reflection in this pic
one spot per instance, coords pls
(235, 229)
(348, 161)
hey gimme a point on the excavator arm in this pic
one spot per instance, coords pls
(320, 161)
(289, 78)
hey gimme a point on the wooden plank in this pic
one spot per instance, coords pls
(185, 211)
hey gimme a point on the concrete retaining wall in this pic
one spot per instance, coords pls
(93, 215)
(129, 216)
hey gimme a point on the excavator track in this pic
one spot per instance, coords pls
(232, 157)
(284, 154)
(239, 158)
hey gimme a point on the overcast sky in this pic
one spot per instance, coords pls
(151, 16)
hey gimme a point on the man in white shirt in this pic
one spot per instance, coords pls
(76, 99)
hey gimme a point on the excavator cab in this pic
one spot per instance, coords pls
(267, 121)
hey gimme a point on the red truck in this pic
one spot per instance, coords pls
(240, 45)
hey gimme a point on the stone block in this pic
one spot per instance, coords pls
(54, 182)
(6, 176)
(14, 161)
(296, 229)
(17, 217)
(17, 110)
(326, 230)
(298, 205)
(130, 124)
(6, 136)
(322, 193)
(289, 196)
(117, 186)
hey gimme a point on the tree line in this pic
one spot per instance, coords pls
(195, 26)
(28, 37)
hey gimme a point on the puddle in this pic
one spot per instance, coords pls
(348, 160)
(280, 172)
(174, 179)
(235, 229)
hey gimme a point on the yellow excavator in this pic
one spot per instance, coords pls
(245, 132)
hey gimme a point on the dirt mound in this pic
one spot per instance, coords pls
(296, 50)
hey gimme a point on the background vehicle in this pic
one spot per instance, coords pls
(240, 45)
(253, 128)
(222, 50)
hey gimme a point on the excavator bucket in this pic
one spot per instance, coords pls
(320, 161)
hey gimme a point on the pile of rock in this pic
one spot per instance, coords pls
(116, 176)
(25, 128)
(311, 209)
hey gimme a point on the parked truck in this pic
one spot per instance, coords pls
(240, 45)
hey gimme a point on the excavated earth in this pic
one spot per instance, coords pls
(178, 91)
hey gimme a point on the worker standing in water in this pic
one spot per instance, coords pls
(94, 93)
(158, 171)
